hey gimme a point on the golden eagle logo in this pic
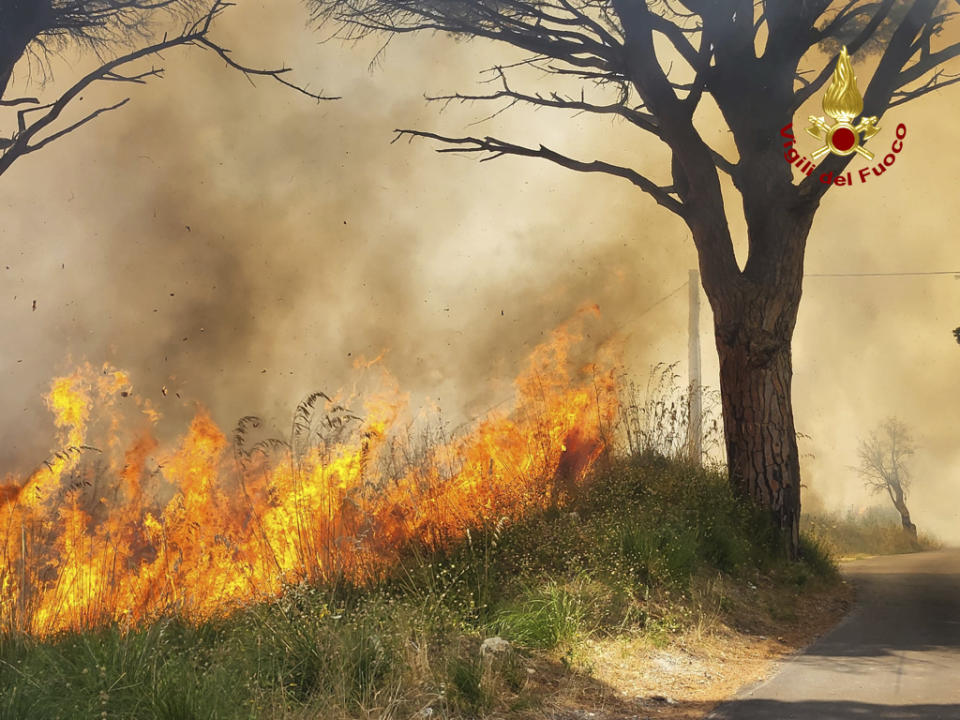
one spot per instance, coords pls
(843, 103)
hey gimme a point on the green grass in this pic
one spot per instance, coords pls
(628, 555)
(544, 617)
(877, 531)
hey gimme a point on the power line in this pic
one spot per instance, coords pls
(955, 273)
(661, 301)
(658, 303)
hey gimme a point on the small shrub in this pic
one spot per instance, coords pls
(817, 556)
(547, 617)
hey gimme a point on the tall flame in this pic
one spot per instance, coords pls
(842, 100)
(217, 523)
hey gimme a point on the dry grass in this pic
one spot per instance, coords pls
(875, 531)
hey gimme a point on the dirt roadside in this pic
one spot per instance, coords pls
(685, 675)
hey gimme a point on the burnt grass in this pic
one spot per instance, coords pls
(629, 554)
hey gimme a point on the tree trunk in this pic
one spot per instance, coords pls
(20, 22)
(908, 526)
(755, 313)
(900, 504)
(761, 441)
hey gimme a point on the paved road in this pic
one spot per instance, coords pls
(895, 657)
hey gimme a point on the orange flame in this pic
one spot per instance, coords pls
(90, 544)
(843, 101)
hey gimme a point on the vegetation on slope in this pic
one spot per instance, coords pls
(874, 531)
(650, 548)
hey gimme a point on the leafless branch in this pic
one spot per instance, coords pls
(70, 128)
(29, 137)
(936, 81)
(575, 32)
(852, 10)
(927, 63)
(678, 38)
(139, 78)
(641, 119)
(881, 12)
(496, 148)
(883, 457)
(13, 102)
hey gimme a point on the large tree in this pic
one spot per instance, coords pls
(121, 34)
(651, 63)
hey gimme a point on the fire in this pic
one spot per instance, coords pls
(214, 522)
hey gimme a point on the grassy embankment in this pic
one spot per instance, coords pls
(876, 531)
(653, 552)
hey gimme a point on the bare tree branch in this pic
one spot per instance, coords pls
(678, 38)
(926, 64)
(70, 128)
(642, 120)
(934, 83)
(883, 465)
(498, 148)
(551, 29)
(13, 102)
(851, 11)
(27, 137)
(139, 78)
(881, 13)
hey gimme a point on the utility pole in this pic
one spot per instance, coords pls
(694, 427)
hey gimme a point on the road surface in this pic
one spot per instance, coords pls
(895, 657)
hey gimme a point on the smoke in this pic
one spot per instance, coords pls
(240, 247)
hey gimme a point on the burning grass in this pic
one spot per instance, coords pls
(92, 543)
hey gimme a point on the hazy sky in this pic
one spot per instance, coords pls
(244, 246)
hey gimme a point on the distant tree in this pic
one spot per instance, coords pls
(883, 465)
(658, 67)
(35, 29)
(956, 334)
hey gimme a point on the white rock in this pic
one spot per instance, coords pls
(494, 646)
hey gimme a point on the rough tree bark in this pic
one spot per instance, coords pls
(754, 322)
(755, 380)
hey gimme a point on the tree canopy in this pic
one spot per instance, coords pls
(747, 55)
